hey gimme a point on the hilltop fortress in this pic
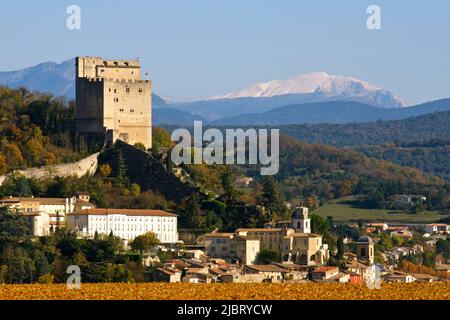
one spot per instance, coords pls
(112, 101)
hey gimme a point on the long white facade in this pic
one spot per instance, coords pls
(125, 223)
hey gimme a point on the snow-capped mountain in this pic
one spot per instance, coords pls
(319, 83)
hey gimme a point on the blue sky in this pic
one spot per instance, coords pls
(199, 48)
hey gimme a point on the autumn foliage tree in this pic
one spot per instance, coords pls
(34, 130)
(3, 164)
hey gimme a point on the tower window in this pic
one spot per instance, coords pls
(363, 252)
(127, 89)
(140, 89)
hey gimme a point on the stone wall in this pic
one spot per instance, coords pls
(80, 168)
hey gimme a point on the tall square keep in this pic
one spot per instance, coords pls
(112, 100)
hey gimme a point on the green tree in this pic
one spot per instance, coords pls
(41, 263)
(14, 228)
(443, 247)
(229, 193)
(267, 256)
(22, 187)
(340, 248)
(428, 259)
(144, 242)
(161, 139)
(121, 179)
(272, 198)
(140, 146)
(192, 214)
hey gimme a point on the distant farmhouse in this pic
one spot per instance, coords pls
(408, 199)
(112, 102)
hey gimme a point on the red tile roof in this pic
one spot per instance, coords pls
(325, 269)
(128, 212)
(266, 268)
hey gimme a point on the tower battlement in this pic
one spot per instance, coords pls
(131, 81)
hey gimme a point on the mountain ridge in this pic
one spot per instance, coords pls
(332, 112)
(274, 106)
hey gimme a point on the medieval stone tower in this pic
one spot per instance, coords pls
(112, 100)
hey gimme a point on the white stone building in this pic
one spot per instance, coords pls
(125, 223)
(437, 228)
(47, 214)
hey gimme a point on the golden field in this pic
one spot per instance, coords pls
(177, 291)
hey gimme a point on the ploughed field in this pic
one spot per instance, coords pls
(184, 291)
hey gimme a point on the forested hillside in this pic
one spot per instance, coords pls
(420, 142)
(325, 172)
(431, 156)
(33, 130)
(416, 129)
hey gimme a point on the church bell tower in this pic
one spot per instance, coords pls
(301, 223)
